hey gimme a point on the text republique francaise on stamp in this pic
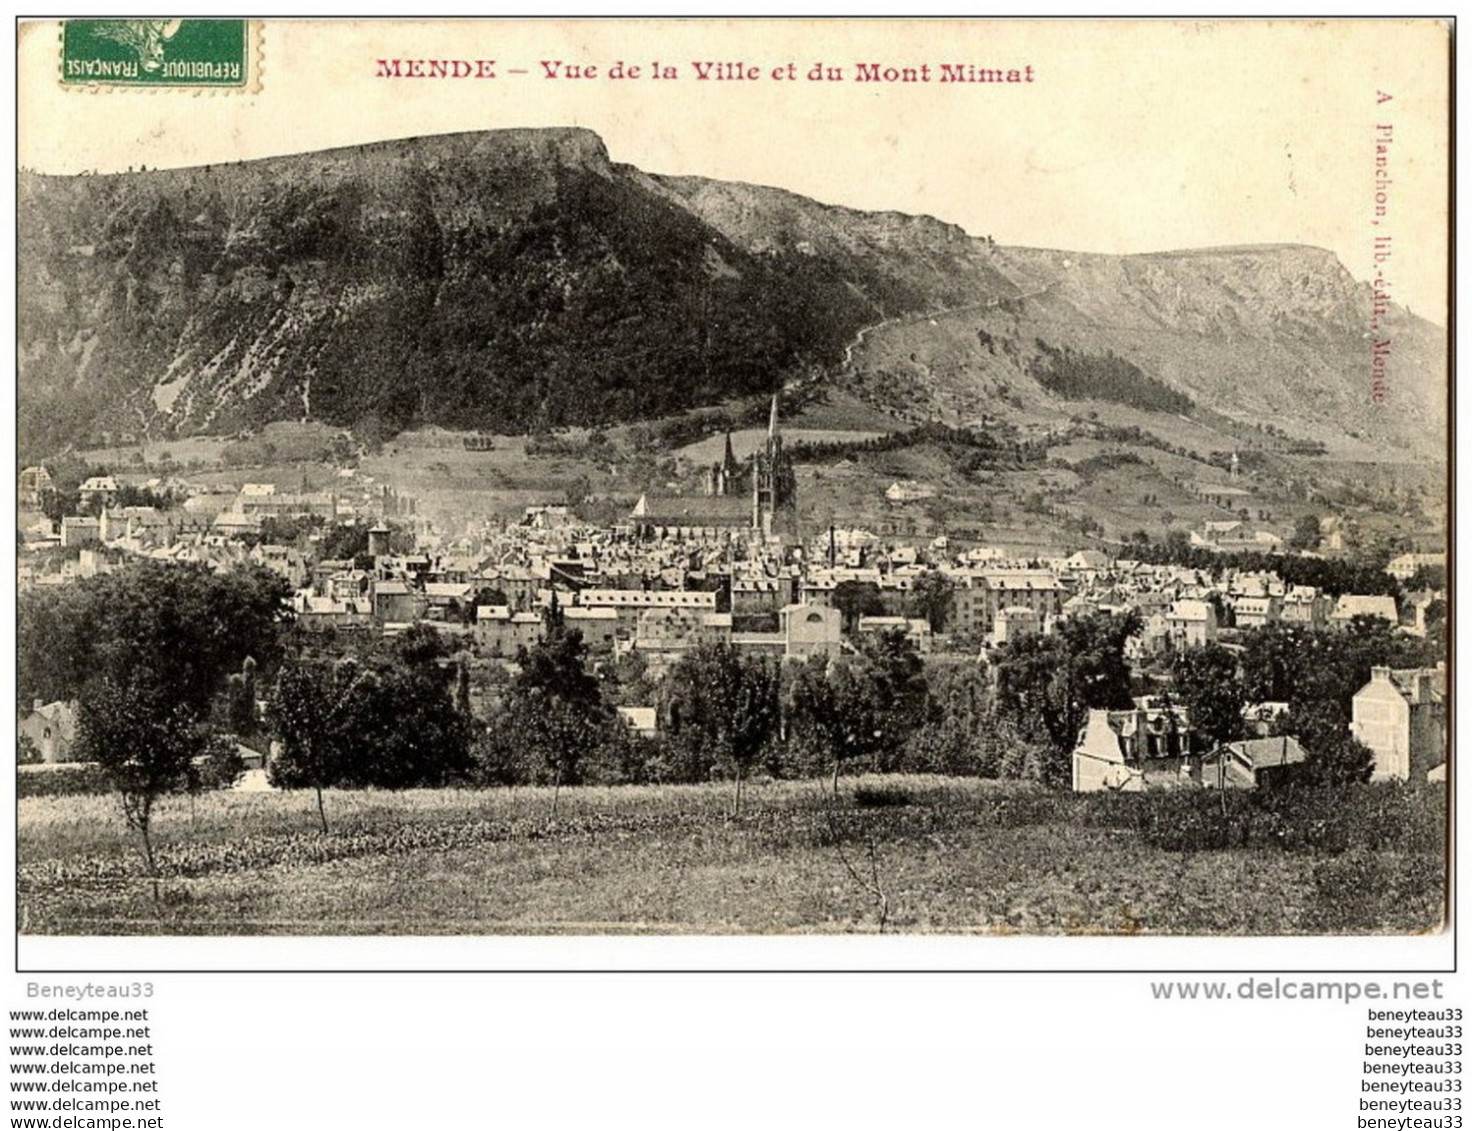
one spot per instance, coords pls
(157, 53)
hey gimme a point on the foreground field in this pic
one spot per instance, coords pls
(909, 855)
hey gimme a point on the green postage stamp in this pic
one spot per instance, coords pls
(156, 53)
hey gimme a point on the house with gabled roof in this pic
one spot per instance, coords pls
(396, 602)
(1352, 605)
(812, 630)
(52, 727)
(102, 488)
(1128, 751)
(1401, 716)
(32, 488)
(1251, 763)
(80, 530)
(1405, 566)
(1191, 624)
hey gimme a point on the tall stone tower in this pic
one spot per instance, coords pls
(722, 478)
(773, 487)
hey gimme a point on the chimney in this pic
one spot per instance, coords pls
(37, 704)
(1423, 686)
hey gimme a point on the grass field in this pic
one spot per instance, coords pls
(955, 856)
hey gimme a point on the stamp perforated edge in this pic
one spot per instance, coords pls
(255, 37)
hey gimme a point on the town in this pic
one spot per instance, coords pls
(721, 573)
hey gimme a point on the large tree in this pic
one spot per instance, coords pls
(1208, 685)
(144, 651)
(1317, 673)
(553, 718)
(1335, 756)
(52, 643)
(1304, 666)
(891, 667)
(1436, 624)
(145, 739)
(386, 720)
(932, 596)
(834, 715)
(1046, 685)
(864, 706)
(964, 736)
(311, 708)
(855, 599)
(1306, 533)
(724, 707)
(410, 732)
(185, 625)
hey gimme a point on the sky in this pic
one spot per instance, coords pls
(1133, 135)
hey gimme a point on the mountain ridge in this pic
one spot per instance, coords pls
(522, 279)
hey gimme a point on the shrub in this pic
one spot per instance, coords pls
(881, 796)
(63, 781)
(1324, 821)
(497, 760)
(219, 767)
(1193, 821)
(1382, 816)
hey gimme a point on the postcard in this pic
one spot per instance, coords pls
(945, 487)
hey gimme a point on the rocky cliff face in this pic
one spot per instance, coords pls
(938, 263)
(1276, 334)
(1275, 291)
(515, 278)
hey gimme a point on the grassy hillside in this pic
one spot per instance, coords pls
(1238, 340)
(960, 856)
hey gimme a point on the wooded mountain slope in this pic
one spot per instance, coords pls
(513, 279)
